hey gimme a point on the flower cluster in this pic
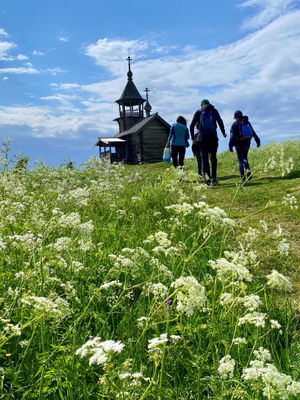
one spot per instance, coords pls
(98, 351)
(190, 294)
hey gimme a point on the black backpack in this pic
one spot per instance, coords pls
(207, 123)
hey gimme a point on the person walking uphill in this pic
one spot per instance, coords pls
(241, 133)
(178, 139)
(207, 117)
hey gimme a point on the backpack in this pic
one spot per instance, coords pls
(207, 123)
(246, 131)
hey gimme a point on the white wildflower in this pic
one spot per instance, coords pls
(277, 280)
(275, 324)
(262, 354)
(226, 367)
(255, 318)
(190, 296)
(239, 340)
(107, 285)
(226, 299)
(284, 247)
(142, 321)
(290, 201)
(159, 290)
(155, 343)
(98, 351)
(251, 302)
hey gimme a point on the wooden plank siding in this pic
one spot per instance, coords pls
(154, 139)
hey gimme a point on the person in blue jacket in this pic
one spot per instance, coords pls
(178, 139)
(241, 133)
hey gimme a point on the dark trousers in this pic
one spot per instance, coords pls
(209, 148)
(197, 152)
(178, 152)
(242, 154)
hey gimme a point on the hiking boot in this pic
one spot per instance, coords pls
(243, 179)
(249, 175)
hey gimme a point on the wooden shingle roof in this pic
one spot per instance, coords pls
(142, 124)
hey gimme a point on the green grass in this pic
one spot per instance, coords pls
(175, 264)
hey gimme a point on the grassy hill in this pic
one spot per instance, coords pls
(139, 282)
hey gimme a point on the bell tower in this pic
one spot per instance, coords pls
(130, 103)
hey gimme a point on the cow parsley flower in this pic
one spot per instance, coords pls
(255, 318)
(190, 296)
(98, 351)
(290, 201)
(251, 302)
(279, 281)
(239, 340)
(284, 247)
(226, 367)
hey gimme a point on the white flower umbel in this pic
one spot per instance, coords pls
(98, 351)
(57, 309)
(255, 318)
(230, 270)
(284, 247)
(262, 354)
(278, 281)
(290, 201)
(156, 343)
(190, 296)
(272, 383)
(110, 284)
(158, 289)
(239, 340)
(251, 302)
(226, 367)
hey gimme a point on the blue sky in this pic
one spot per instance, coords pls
(63, 64)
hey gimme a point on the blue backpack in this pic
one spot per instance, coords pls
(246, 131)
(207, 123)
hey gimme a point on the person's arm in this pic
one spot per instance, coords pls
(220, 123)
(256, 138)
(233, 135)
(195, 119)
(187, 136)
(171, 134)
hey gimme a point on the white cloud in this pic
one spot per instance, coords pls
(21, 57)
(265, 11)
(5, 47)
(3, 32)
(63, 39)
(38, 53)
(19, 70)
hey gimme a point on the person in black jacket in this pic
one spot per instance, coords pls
(241, 133)
(207, 139)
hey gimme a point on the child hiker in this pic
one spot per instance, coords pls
(178, 139)
(241, 133)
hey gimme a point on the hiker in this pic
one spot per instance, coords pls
(207, 117)
(196, 150)
(178, 139)
(241, 133)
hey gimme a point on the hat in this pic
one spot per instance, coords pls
(238, 114)
(205, 101)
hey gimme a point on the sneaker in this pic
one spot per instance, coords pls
(243, 179)
(249, 175)
(207, 182)
(214, 182)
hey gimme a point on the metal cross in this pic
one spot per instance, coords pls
(129, 59)
(147, 91)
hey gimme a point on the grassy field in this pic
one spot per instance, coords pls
(139, 282)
